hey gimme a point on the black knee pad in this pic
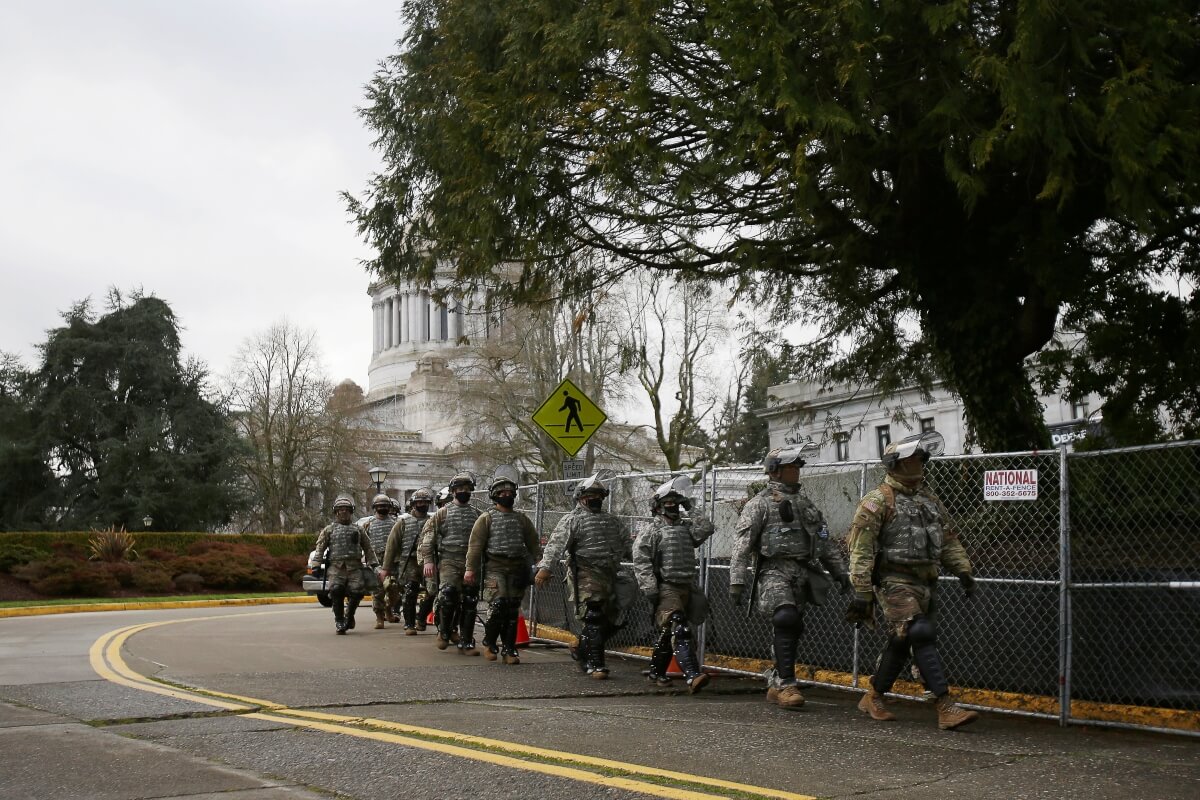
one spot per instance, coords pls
(593, 614)
(497, 607)
(921, 631)
(679, 626)
(449, 594)
(788, 619)
(470, 594)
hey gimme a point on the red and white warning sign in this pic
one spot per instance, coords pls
(1010, 484)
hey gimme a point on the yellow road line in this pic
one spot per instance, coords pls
(41, 611)
(106, 660)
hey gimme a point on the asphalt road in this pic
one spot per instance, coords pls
(290, 710)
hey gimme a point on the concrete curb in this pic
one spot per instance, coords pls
(40, 611)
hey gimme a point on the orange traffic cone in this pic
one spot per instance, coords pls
(673, 669)
(429, 619)
(522, 631)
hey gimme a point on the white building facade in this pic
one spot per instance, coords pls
(857, 423)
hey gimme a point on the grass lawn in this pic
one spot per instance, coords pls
(77, 601)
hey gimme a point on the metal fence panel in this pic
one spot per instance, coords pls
(1089, 592)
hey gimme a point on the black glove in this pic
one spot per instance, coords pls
(859, 611)
(736, 590)
(968, 583)
(844, 581)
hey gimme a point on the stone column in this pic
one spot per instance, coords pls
(454, 320)
(387, 324)
(374, 328)
(395, 320)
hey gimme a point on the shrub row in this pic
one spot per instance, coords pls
(190, 563)
(277, 544)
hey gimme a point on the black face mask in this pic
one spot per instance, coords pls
(595, 503)
(420, 509)
(462, 497)
(508, 501)
(672, 512)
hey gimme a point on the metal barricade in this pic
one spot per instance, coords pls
(1088, 609)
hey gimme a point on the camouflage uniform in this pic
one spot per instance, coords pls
(404, 571)
(382, 601)
(908, 568)
(505, 544)
(900, 535)
(664, 562)
(444, 542)
(595, 543)
(348, 547)
(789, 558)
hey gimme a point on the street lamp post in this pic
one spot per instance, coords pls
(377, 475)
(147, 521)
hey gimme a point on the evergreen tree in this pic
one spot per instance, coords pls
(931, 185)
(125, 424)
(25, 480)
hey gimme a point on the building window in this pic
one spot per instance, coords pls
(926, 424)
(1079, 409)
(883, 435)
(841, 444)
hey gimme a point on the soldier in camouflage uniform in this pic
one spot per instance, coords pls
(595, 543)
(664, 561)
(900, 534)
(377, 529)
(400, 565)
(782, 546)
(503, 548)
(349, 547)
(443, 551)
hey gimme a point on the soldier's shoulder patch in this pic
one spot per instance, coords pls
(871, 505)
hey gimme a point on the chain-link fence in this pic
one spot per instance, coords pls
(1088, 565)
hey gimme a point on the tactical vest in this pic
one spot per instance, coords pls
(676, 553)
(506, 539)
(455, 531)
(343, 543)
(377, 531)
(914, 535)
(409, 533)
(596, 539)
(793, 539)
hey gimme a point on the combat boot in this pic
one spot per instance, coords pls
(489, 652)
(511, 657)
(696, 683)
(422, 623)
(339, 627)
(467, 648)
(392, 617)
(788, 696)
(951, 715)
(872, 703)
(410, 631)
(379, 620)
(442, 643)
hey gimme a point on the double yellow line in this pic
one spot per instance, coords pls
(106, 660)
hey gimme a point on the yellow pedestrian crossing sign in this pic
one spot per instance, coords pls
(570, 417)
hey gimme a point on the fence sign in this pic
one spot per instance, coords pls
(1010, 484)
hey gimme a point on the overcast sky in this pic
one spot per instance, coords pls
(195, 150)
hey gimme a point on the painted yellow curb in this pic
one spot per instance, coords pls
(106, 660)
(41, 611)
(1082, 710)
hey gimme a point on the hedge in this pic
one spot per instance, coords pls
(277, 544)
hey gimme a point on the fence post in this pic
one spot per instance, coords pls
(1064, 590)
(705, 552)
(539, 515)
(862, 490)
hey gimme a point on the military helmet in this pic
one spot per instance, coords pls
(443, 497)
(395, 505)
(926, 445)
(343, 501)
(505, 476)
(798, 454)
(424, 493)
(381, 500)
(592, 485)
(462, 479)
(679, 488)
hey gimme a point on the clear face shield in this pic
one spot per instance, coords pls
(680, 488)
(925, 445)
(798, 454)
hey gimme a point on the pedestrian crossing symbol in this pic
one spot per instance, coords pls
(570, 417)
